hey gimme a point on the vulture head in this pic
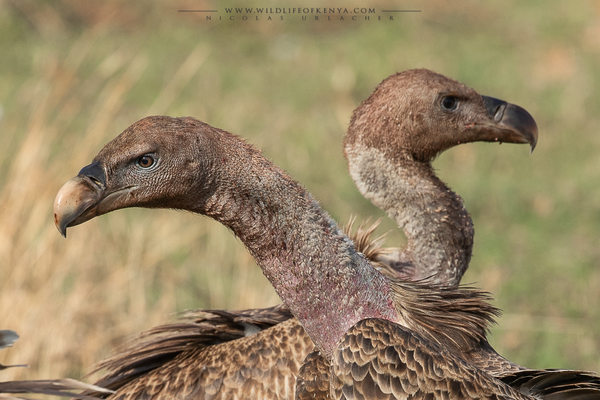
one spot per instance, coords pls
(155, 163)
(419, 113)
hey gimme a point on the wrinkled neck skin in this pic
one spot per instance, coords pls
(438, 227)
(312, 265)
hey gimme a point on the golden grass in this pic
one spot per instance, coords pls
(73, 300)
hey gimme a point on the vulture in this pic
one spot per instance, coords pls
(393, 137)
(52, 387)
(383, 335)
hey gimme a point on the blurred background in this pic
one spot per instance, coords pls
(73, 75)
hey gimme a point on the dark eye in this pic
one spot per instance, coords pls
(145, 161)
(449, 103)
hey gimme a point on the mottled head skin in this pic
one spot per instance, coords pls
(182, 163)
(393, 137)
(406, 116)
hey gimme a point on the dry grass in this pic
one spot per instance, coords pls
(72, 301)
(74, 79)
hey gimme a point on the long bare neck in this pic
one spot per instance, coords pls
(313, 267)
(438, 227)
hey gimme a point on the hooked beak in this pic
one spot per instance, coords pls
(85, 197)
(511, 123)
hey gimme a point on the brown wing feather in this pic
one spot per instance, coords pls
(263, 365)
(198, 330)
(485, 358)
(313, 379)
(555, 384)
(52, 387)
(377, 359)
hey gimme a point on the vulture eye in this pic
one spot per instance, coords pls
(145, 161)
(449, 103)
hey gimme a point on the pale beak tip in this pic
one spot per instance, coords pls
(61, 229)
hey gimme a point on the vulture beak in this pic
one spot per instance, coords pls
(85, 197)
(509, 123)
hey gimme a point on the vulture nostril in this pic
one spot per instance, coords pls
(499, 112)
(95, 180)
